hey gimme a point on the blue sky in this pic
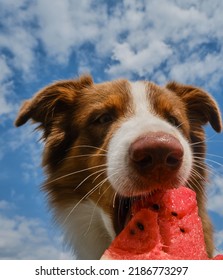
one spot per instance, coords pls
(42, 41)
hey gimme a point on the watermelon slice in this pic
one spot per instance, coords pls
(163, 226)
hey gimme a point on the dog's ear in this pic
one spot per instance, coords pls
(201, 107)
(52, 108)
(51, 101)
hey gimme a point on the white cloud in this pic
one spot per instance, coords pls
(157, 39)
(26, 141)
(215, 194)
(5, 106)
(5, 87)
(68, 25)
(16, 34)
(5, 70)
(199, 68)
(219, 242)
(141, 62)
(164, 40)
(11, 5)
(28, 238)
(4, 205)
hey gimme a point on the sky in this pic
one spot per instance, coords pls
(42, 41)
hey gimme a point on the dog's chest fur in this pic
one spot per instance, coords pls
(88, 229)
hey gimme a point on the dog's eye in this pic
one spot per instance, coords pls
(174, 121)
(104, 119)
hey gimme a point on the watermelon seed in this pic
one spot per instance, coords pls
(182, 230)
(132, 232)
(174, 214)
(140, 226)
(156, 207)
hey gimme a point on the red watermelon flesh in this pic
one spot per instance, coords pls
(165, 225)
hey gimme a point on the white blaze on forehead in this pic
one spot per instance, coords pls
(144, 118)
(140, 95)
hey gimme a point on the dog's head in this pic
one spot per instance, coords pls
(113, 141)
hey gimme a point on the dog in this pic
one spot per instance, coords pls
(107, 143)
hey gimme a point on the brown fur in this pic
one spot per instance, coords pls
(71, 115)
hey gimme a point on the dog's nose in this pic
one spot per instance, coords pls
(156, 152)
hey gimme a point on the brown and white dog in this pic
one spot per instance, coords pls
(108, 143)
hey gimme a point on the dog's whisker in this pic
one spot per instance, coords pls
(190, 186)
(103, 181)
(208, 154)
(197, 185)
(114, 199)
(83, 155)
(86, 155)
(214, 161)
(211, 161)
(195, 172)
(204, 167)
(101, 184)
(182, 123)
(91, 219)
(85, 179)
(207, 164)
(207, 159)
(101, 195)
(102, 172)
(182, 180)
(197, 143)
(214, 141)
(87, 195)
(205, 140)
(89, 146)
(107, 178)
(196, 178)
(79, 202)
(116, 193)
(201, 165)
(75, 172)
